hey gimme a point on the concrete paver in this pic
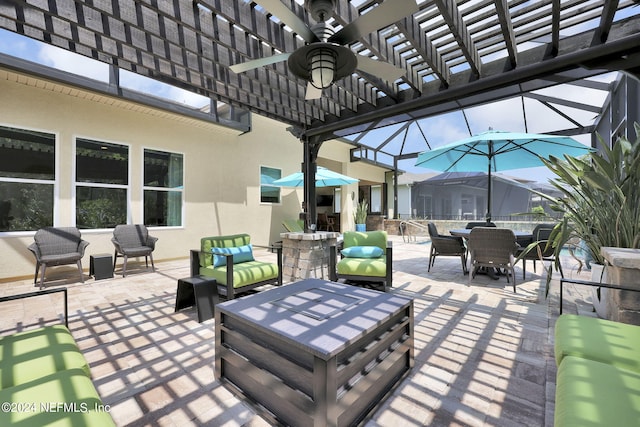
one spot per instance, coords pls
(483, 354)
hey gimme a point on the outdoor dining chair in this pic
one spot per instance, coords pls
(442, 245)
(492, 248)
(133, 240)
(541, 251)
(57, 246)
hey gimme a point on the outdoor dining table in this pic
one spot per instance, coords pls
(521, 236)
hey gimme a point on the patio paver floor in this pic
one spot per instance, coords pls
(483, 355)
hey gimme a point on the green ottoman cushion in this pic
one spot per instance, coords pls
(31, 354)
(601, 340)
(590, 393)
(42, 402)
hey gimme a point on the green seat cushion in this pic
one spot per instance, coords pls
(601, 340)
(42, 402)
(245, 273)
(590, 393)
(375, 267)
(27, 355)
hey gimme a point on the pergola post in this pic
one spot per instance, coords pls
(309, 167)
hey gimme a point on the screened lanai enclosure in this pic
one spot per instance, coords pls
(347, 69)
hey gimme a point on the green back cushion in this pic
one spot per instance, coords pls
(601, 340)
(369, 238)
(206, 243)
(71, 387)
(28, 355)
(590, 393)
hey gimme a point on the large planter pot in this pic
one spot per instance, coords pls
(599, 295)
(623, 270)
(361, 227)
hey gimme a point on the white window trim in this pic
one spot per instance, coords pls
(182, 190)
(75, 184)
(55, 182)
(260, 185)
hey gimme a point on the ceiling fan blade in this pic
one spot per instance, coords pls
(379, 17)
(312, 92)
(290, 19)
(257, 63)
(381, 69)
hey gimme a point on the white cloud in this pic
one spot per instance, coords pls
(73, 63)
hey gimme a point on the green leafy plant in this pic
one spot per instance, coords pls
(360, 216)
(600, 199)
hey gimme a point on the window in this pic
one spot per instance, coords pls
(269, 193)
(376, 199)
(163, 188)
(27, 179)
(102, 184)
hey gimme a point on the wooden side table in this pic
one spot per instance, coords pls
(200, 291)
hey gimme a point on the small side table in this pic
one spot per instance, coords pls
(200, 291)
(101, 266)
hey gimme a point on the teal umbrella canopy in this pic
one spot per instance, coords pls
(324, 178)
(495, 150)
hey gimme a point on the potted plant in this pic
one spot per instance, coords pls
(360, 216)
(600, 199)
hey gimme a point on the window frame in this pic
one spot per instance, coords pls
(279, 202)
(166, 189)
(55, 182)
(75, 183)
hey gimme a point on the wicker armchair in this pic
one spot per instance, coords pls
(57, 246)
(492, 247)
(539, 252)
(446, 246)
(133, 240)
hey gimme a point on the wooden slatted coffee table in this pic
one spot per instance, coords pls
(314, 353)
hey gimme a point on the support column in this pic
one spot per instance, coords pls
(624, 270)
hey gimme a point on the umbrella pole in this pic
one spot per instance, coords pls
(488, 216)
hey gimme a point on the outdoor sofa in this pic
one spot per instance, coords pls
(229, 260)
(598, 379)
(45, 379)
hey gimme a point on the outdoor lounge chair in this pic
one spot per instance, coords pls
(293, 225)
(365, 257)
(229, 260)
(442, 245)
(540, 252)
(492, 248)
(134, 241)
(57, 246)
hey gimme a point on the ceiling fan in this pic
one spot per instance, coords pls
(325, 59)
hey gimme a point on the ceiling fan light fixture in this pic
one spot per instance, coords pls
(323, 67)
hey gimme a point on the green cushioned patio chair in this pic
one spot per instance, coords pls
(293, 225)
(360, 261)
(229, 260)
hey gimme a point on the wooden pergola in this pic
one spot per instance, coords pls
(454, 54)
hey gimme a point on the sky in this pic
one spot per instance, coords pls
(504, 115)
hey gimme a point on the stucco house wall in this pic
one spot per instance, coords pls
(221, 178)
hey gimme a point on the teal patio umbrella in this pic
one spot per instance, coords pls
(324, 178)
(496, 150)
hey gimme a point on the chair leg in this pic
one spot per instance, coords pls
(35, 278)
(44, 269)
(153, 267)
(115, 257)
(124, 266)
(80, 270)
